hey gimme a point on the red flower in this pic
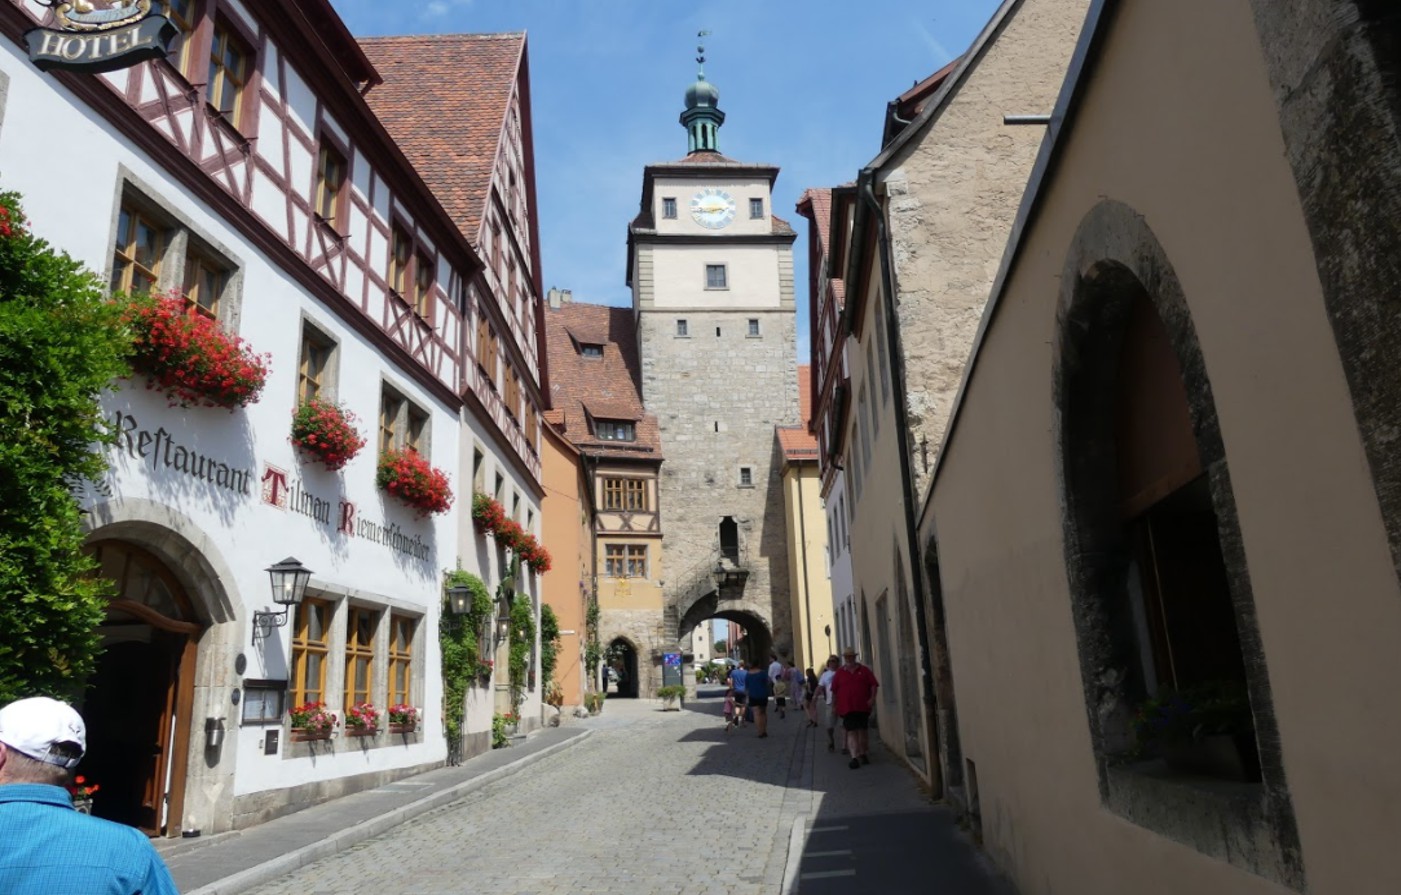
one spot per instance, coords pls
(408, 476)
(327, 432)
(190, 358)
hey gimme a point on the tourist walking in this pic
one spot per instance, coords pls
(794, 676)
(757, 687)
(829, 708)
(729, 707)
(854, 690)
(810, 697)
(778, 684)
(46, 847)
(737, 678)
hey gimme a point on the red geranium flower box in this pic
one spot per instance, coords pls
(190, 358)
(326, 431)
(412, 479)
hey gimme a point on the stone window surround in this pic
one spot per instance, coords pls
(406, 403)
(330, 374)
(182, 236)
(1251, 826)
(746, 472)
(723, 277)
(342, 598)
(754, 330)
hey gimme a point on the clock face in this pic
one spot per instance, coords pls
(712, 208)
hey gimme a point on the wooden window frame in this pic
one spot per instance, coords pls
(311, 369)
(614, 560)
(613, 493)
(124, 250)
(225, 31)
(303, 647)
(330, 191)
(389, 431)
(197, 263)
(607, 430)
(401, 249)
(357, 650)
(401, 659)
(532, 427)
(187, 29)
(637, 560)
(425, 279)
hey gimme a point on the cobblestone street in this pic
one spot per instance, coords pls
(651, 802)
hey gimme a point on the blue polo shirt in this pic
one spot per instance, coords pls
(47, 848)
(758, 686)
(737, 676)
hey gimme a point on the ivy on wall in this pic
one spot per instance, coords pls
(522, 639)
(458, 637)
(593, 653)
(549, 644)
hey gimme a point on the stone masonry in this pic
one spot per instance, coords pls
(717, 399)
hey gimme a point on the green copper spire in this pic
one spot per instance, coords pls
(702, 118)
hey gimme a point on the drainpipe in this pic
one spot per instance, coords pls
(897, 374)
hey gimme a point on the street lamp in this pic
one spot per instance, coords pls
(289, 579)
(503, 618)
(459, 599)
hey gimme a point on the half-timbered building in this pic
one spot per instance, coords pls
(247, 171)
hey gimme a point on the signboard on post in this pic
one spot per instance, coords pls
(671, 669)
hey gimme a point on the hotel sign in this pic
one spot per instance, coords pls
(99, 35)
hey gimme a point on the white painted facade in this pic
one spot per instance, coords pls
(197, 490)
(839, 563)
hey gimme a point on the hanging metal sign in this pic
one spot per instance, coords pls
(99, 35)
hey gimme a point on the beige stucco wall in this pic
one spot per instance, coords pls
(740, 190)
(1191, 141)
(878, 536)
(751, 272)
(807, 557)
(952, 195)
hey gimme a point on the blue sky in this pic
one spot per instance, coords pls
(803, 86)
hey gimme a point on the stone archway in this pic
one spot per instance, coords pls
(758, 640)
(622, 669)
(212, 668)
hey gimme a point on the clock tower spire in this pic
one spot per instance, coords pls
(702, 118)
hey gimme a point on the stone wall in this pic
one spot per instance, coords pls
(717, 399)
(952, 194)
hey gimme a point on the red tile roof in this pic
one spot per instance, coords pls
(607, 387)
(444, 99)
(903, 109)
(796, 442)
(816, 205)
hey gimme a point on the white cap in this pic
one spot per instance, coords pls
(35, 726)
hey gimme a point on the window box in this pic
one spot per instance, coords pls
(190, 358)
(409, 477)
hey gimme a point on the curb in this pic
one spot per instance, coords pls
(309, 854)
(795, 856)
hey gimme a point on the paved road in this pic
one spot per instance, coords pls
(656, 802)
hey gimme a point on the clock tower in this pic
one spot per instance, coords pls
(711, 272)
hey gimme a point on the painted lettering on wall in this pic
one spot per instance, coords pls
(164, 452)
(283, 491)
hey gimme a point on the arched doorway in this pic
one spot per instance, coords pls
(620, 660)
(138, 703)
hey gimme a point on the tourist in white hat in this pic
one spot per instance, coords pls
(46, 847)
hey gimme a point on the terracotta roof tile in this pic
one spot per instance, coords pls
(606, 387)
(444, 100)
(815, 204)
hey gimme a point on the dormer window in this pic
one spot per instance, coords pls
(590, 350)
(615, 430)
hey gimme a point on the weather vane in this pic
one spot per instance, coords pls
(700, 52)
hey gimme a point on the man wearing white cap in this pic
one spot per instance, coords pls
(47, 848)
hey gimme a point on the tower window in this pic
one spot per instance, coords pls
(682, 329)
(669, 208)
(591, 350)
(717, 332)
(753, 327)
(756, 208)
(715, 277)
(746, 477)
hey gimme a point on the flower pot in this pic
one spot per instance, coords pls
(405, 727)
(308, 734)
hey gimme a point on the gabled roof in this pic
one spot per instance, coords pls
(797, 442)
(601, 388)
(902, 110)
(815, 204)
(444, 99)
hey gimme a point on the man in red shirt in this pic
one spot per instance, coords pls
(854, 691)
